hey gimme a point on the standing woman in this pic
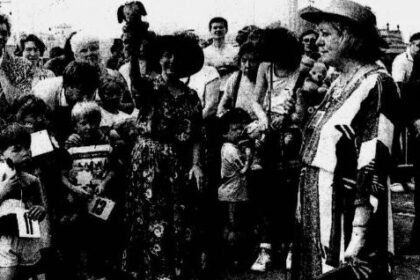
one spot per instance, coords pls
(160, 198)
(276, 108)
(343, 213)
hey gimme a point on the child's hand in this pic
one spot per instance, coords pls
(37, 213)
(100, 189)
(80, 191)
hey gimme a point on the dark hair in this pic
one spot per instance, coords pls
(233, 116)
(29, 104)
(307, 32)
(363, 42)
(113, 83)
(218, 20)
(81, 74)
(56, 51)
(249, 47)
(5, 20)
(414, 37)
(281, 47)
(32, 38)
(14, 134)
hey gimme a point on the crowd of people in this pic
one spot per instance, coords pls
(181, 158)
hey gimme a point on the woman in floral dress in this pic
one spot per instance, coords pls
(160, 197)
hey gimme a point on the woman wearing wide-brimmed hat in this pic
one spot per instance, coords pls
(165, 168)
(343, 212)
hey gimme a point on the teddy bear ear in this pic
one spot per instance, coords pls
(120, 14)
(141, 8)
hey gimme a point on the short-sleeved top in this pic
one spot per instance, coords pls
(233, 186)
(402, 67)
(282, 90)
(217, 57)
(245, 95)
(201, 79)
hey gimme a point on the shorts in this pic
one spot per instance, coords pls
(16, 251)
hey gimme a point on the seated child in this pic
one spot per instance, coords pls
(111, 92)
(236, 160)
(93, 172)
(20, 191)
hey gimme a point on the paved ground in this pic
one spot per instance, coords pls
(407, 267)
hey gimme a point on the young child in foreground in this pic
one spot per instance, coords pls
(19, 191)
(99, 175)
(236, 160)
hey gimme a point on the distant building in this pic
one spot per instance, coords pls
(396, 44)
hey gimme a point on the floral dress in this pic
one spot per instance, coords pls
(159, 208)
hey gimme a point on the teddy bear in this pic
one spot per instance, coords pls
(313, 89)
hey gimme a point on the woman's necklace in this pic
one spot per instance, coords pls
(344, 81)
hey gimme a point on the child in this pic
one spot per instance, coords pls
(20, 191)
(236, 158)
(92, 173)
(31, 112)
(111, 92)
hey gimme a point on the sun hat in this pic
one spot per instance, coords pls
(188, 54)
(342, 9)
(350, 12)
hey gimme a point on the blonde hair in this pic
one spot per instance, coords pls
(86, 109)
(81, 38)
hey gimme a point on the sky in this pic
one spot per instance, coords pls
(166, 16)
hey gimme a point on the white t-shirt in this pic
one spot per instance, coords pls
(218, 57)
(110, 120)
(402, 67)
(200, 80)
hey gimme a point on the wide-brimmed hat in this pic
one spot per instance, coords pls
(342, 10)
(349, 12)
(188, 54)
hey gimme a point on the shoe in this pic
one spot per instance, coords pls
(263, 262)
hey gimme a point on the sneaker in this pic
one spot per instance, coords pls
(263, 261)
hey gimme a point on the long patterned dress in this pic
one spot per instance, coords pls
(160, 200)
(343, 169)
